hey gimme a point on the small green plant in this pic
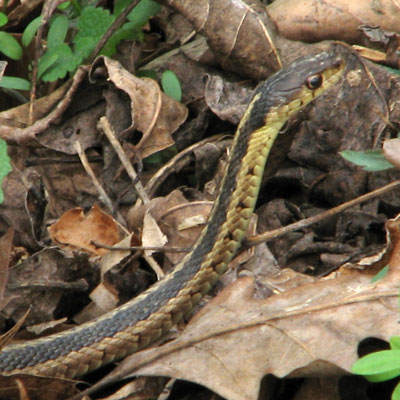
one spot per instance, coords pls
(380, 275)
(381, 365)
(5, 166)
(171, 85)
(10, 47)
(369, 160)
(73, 33)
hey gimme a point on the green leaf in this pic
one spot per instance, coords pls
(57, 31)
(66, 62)
(9, 46)
(384, 376)
(120, 5)
(147, 73)
(141, 14)
(92, 24)
(3, 19)
(396, 392)
(381, 274)
(127, 31)
(394, 71)
(64, 6)
(171, 85)
(395, 342)
(13, 82)
(5, 166)
(30, 31)
(370, 160)
(45, 62)
(382, 365)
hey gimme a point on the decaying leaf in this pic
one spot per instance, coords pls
(5, 256)
(41, 281)
(12, 387)
(311, 329)
(391, 151)
(153, 113)
(78, 230)
(318, 20)
(104, 297)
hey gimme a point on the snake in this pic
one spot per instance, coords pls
(147, 317)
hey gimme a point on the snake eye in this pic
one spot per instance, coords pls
(314, 81)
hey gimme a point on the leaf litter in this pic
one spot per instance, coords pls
(308, 325)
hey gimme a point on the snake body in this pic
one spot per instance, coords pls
(145, 318)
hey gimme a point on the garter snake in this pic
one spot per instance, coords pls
(142, 320)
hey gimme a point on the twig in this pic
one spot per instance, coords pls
(151, 248)
(107, 129)
(85, 163)
(304, 223)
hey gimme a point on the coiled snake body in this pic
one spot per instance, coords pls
(142, 320)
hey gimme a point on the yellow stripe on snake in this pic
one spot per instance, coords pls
(144, 319)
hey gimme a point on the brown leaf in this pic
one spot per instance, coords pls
(78, 230)
(104, 295)
(311, 329)
(37, 388)
(152, 235)
(40, 282)
(318, 20)
(227, 99)
(246, 44)
(7, 337)
(5, 254)
(183, 224)
(15, 123)
(391, 151)
(155, 114)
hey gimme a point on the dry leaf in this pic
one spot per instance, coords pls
(42, 280)
(78, 230)
(182, 224)
(152, 235)
(38, 388)
(155, 114)
(247, 44)
(315, 20)
(103, 295)
(5, 254)
(391, 151)
(312, 329)
(50, 111)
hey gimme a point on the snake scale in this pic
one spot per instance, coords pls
(144, 319)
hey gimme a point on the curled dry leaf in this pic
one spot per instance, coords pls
(391, 151)
(153, 113)
(236, 340)
(315, 20)
(247, 44)
(78, 230)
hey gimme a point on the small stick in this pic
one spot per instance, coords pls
(105, 125)
(86, 165)
(151, 248)
(267, 236)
